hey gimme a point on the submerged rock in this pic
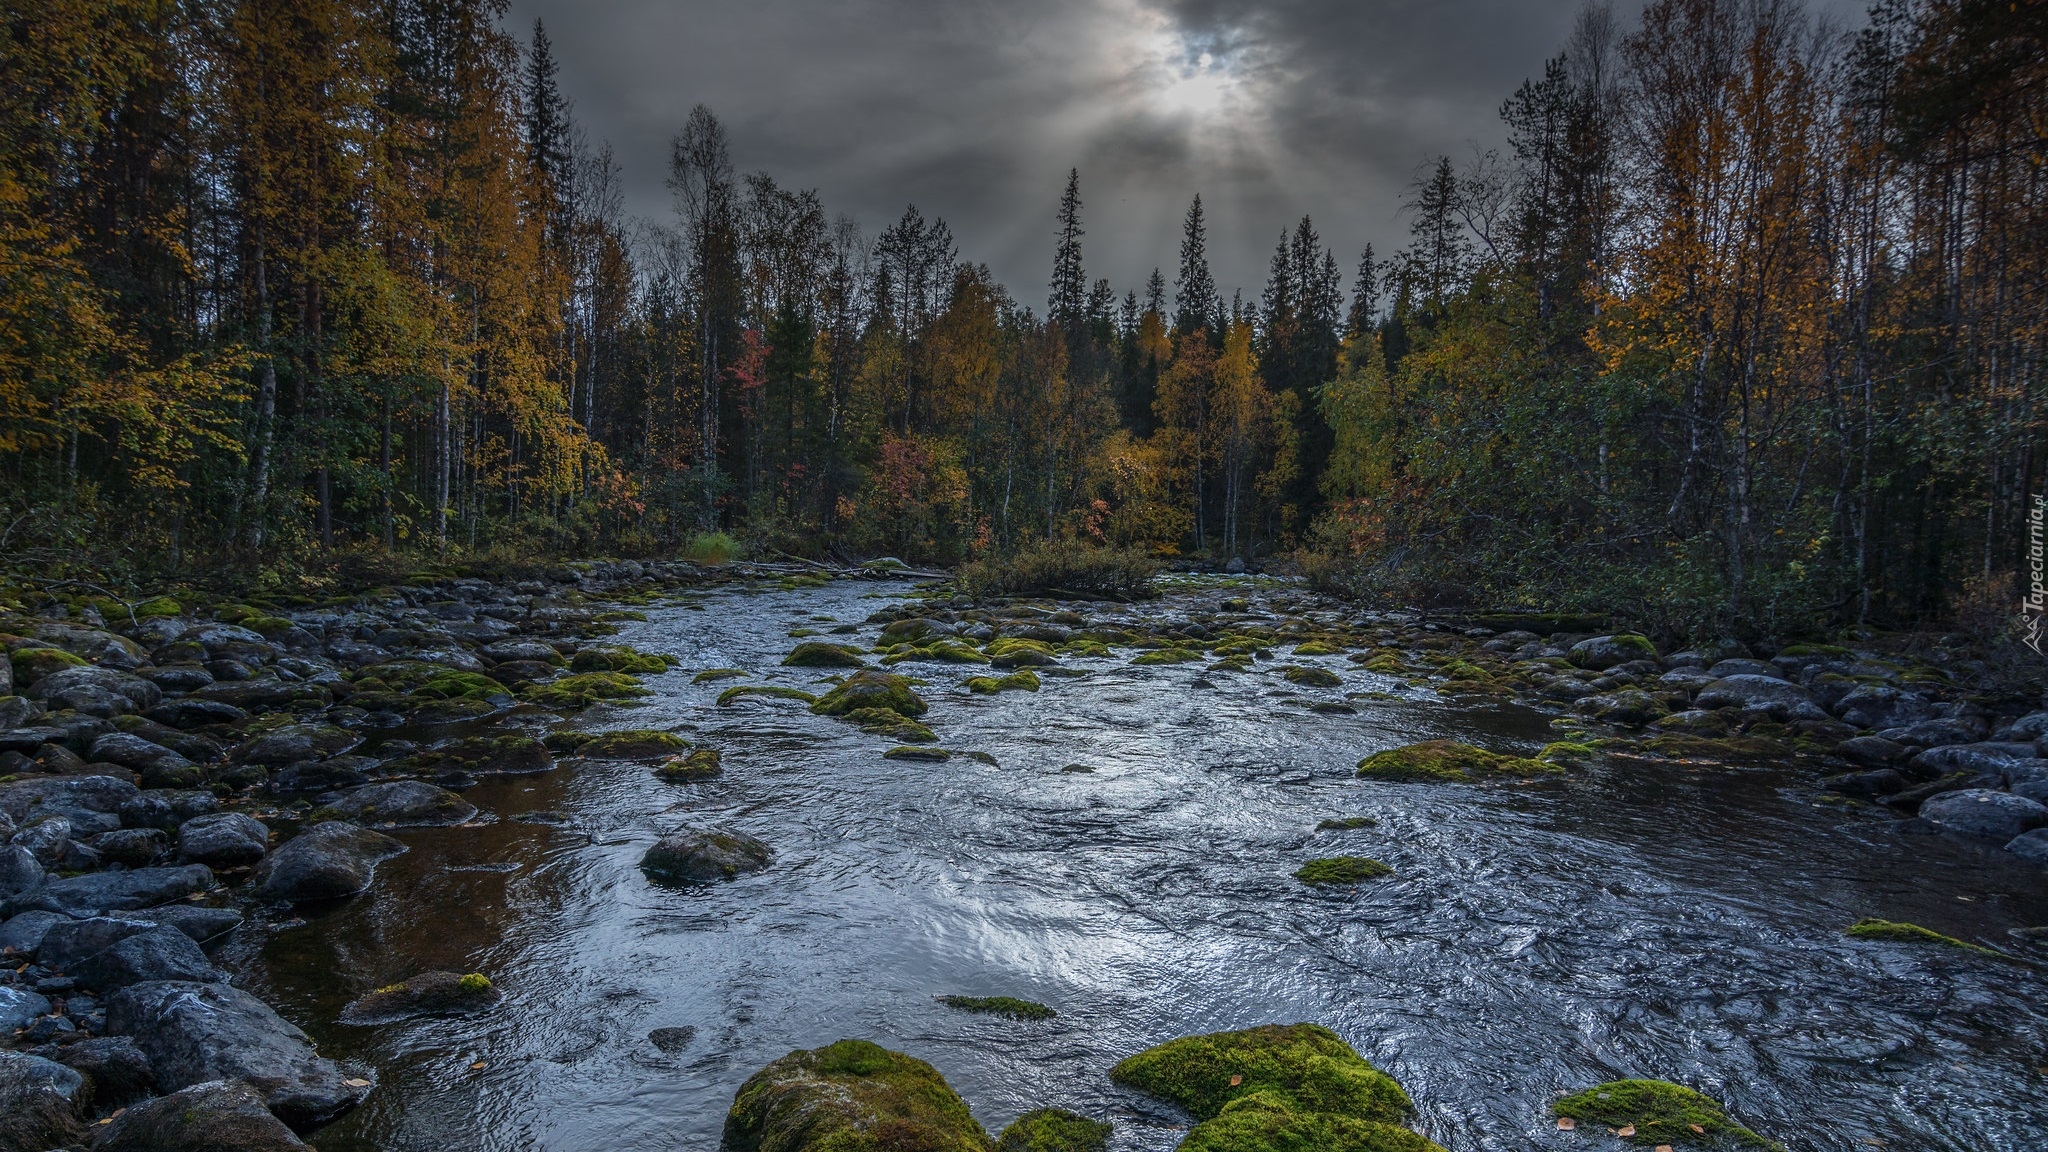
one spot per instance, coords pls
(820, 654)
(223, 839)
(193, 1033)
(427, 994)
(325, 862)
(1448, 760)
(101, 892)
(509, 754)
(1660, 1112)
(216, 1116)
(850, 1095)
(704, 855)
(400, 804)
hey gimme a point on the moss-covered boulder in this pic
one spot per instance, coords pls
(1659, 1112)
(618, 658)
(1054, 1130)
(32, 664)
(701, 764)
(1018, 652)
(583, 690)
(894, 725)
(427, 994)
(1311, 677)
(1022, 680)
(452, 684)
(631, 744)
(1603, 652)
(851, 1096)
(1900, 932)
(918, 752)
(1276, 1088)
(739, 692)
(1007, 1006)
(1339, 870)
(871, 689)
(1167, 656)
(1318, 648)
(1448, 760)
(713, 675)
(820, 654)
(704, 856)
(509, 754)
(942, 651)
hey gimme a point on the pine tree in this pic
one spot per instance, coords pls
(1195, 303)
(1069, 301)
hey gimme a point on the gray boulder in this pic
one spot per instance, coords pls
(157, 952)
(195, 1032)
(193, 712)
(70, 687)
(46, 840)
(1742, 666)
(91, 803)
(69, 942)
(1873, 751)
(40, 1101)
(294, 743)
(2030, 845)
(114, 1069)
(132, 847)
(204, 925)
(1780, 699)
(1867, 784)
(159, 766)
(1983, 812)
(217, 1116)
(1936, 732)
(704, 855)
(97, 645)
(19, 1006)
(24, 933)
(102, 892)
(401, 804)
(1604, 652)
(1882, 706)
(15, 711)
(223, 840)
(325, 862)
(1630, 706)
(20, 871)
(2032, 726)
(167, 808)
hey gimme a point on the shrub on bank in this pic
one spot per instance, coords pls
(1061, 567)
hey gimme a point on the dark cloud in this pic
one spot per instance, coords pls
(974, 110)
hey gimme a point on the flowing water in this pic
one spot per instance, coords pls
(1659, 922)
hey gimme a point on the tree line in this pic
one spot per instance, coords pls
(1744, 324)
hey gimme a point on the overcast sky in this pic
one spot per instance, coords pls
(974, 110)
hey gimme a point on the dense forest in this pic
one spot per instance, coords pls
(1743, 328)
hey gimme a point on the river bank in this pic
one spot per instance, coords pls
(1118, 842)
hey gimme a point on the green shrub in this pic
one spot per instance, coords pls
(711, 548)
(1060, 567)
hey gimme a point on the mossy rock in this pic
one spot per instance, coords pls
(867, 689)
(1084, 647)
(1465, 672)
(1661, 1113)
(1383, 663)
(618, 658)
(1018, 652)
(1346, 823)
(584, 689)
(713, 675)
(1726, 749)
(1832, 651)
(1303, 1068)
(566, 739)
(269, 627)
(944, 651)
(1334, 870)
(1448, 760)
(160, 607)
(1566, 752)
(1022, 680)
(1233, 645)
(631, 744)
(1871, 928)
(1313, 677)
(700, 764)
(821, 654)
(1318, 648)
(32, 664)
(1054, 1130)
(1168, 656)
(851, 1096)
(1232, 664)
(776, 691)
(1008, 1006)
(1256, 1123)
(449, 684)
(883, 722)
(916, 752)
(510, 754)
(427, 994)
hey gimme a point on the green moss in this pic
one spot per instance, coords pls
(713, 675)
(631, 744)
(161, 606)
(1448, 760)
(1234, 645)
(1313, 677)
(1871, 928)
(1303, 1068)
(1465, 672)
(1384, 663)
(1341, 870)
(701, 764)
(1256, 1124)
(915, 752)
(619, 658)
(1662, 1113)
(1565, 752)
(566, 739)
(512, 754)
(448, 684)
(583, 690)
(1085, 647)
(852, 1096)
(1834, 650)
(822, 654)
(269, 627)
(1346, 823)
(871, 689)
(473, 984)
(1168, 656)
(1014, 645)
(1008, 1006)
(943, 650)
(883, 722)
(1736, 749)
(1023, 679)
(1232, 664)
(1318, 648)
(779, 691)
(1054, 1130)
(32, 664)
(614, 616)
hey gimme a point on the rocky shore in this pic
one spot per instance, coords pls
(175, 771)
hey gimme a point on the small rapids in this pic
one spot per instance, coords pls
(1669, 922)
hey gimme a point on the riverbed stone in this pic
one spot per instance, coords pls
(400, 804)
(1867, 784)
(690, 855)
(40, 1102)
(96, 691)
(19, 1007)
(851, 1094)
(1750, 692)
(167, 808)
(295, 742)
(328, 861)
(102, 892)
(91, 803)
(1603, 652)
(868, 688)
(427, 994)
(1983, 812)
(193, 712)
(115, 1070)
(2030, 845)
(158, 952)
(1879, 706)
(216, 1116)
(194, 1032)
(223, 840)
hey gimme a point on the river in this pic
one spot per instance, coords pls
(1664, 922)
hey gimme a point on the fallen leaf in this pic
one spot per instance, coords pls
(1566, 1123)
(1697, 1130)
(1236, 1080)
(478, 1064)
(355, 1082)
(1625, 1130)
(1664, 1148)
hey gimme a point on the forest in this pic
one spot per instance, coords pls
(1741, 331)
